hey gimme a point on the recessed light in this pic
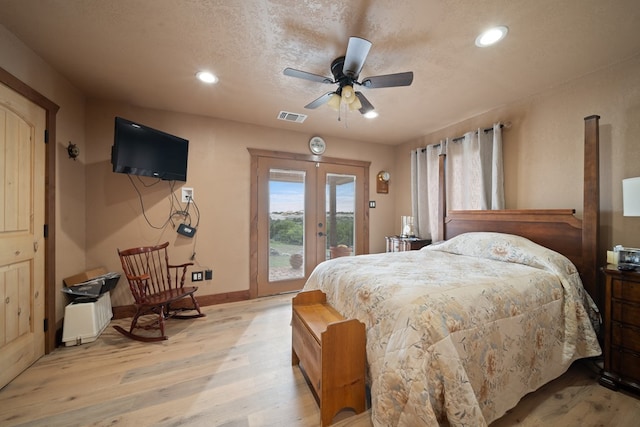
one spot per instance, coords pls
(207, 77)
(371, 114)
(491, 36)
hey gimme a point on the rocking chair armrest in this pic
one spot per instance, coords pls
(138, 278)
(185, 265)
(138, 285)
(176, 268)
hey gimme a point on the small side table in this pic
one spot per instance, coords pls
(401, 244)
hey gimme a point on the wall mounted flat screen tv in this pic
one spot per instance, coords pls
(141, 150)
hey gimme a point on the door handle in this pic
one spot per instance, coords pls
(320, 234)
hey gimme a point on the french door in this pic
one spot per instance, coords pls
(304, 211)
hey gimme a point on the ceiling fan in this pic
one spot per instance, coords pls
(346, 71)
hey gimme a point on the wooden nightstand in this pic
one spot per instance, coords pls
(621, 329)
(401, 244)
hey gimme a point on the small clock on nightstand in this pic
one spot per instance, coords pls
(317, 145)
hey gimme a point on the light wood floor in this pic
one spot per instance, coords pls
(233, 369)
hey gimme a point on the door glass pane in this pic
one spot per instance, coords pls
(286, 224)
(340, 218)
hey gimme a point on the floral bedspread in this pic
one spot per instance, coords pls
(459, 331)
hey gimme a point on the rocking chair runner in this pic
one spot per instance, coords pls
(155, 285)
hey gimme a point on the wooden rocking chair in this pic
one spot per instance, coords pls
(155, 285)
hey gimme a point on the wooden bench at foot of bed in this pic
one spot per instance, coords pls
(331, 352)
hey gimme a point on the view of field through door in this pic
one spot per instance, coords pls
(307, 212)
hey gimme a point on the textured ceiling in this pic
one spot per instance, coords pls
(146, 53)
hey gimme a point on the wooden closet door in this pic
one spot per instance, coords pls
(22, 247)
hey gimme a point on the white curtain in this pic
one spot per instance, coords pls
(424, 190)
(474, 175)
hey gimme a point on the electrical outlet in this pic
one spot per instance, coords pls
(196, 276)
(208, 274)
(187, 194)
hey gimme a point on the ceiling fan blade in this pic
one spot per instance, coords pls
(320, 101)
(389, 80)
(307, 76)
(366, 105)
(357, 51)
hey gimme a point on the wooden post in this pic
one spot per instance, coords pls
(591, 209)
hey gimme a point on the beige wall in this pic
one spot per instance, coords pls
(543, 149)
(219, 173)
(19, 60)
(98, 211)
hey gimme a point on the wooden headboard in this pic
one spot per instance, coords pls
(557, 229)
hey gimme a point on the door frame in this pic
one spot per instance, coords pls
(51, 110)
(254, 211)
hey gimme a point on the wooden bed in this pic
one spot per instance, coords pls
(556, 229)
(459, 331)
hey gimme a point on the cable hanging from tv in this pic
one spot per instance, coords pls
(185, 228)
(175, 210)
(143, 151)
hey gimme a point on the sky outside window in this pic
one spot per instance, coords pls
(289, 196)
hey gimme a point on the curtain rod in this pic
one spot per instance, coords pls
(460, 138)
(506, 125)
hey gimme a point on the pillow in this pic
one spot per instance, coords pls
(517, 249)
(507, 248)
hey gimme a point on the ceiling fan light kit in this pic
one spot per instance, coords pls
(355, 104)
(348, 94)
(334, 101)
(346, 71)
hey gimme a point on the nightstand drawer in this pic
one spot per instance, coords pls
(625, 313)
(621, 329)
(628, 363)
(625, 289)
(625, 336)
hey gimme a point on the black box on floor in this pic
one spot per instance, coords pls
(91, 283)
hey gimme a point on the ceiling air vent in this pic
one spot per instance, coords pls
(291, 117)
